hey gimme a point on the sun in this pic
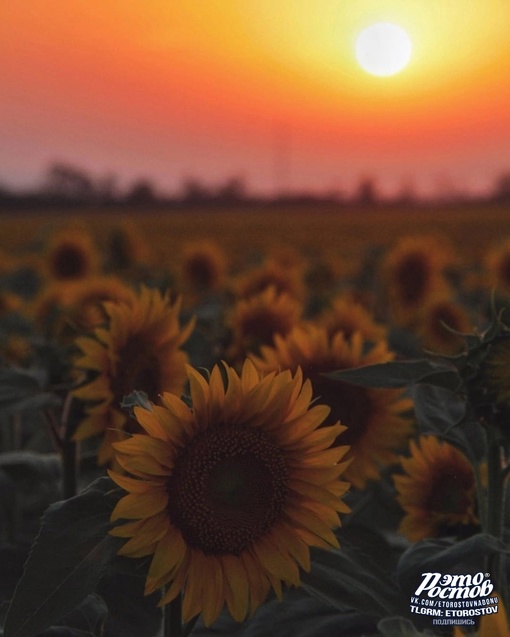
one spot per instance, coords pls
(383, 49)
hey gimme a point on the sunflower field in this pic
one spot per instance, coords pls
(268, 422)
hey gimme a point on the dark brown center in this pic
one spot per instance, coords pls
(229, 486)
(450, 493)
(137, 368)
(68, 262)
(412, 276)
(350, 404)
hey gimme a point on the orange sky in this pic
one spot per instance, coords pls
(266, 89)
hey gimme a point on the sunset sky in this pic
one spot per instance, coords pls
(269, 90)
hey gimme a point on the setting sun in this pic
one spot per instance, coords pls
(274, 91)
(383, 49)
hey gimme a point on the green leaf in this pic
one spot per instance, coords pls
(130, 612)
(444, 414)
(444, 555)
(86, 620)
(22, 390)
(35, 478)
(343, 579)
(67, 559)
(398, 374)
(297, 615)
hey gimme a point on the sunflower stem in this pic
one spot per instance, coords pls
(496, 477)
(69, 469)
(495, 481)
(172, 618)
(69, 454)
(188, 628)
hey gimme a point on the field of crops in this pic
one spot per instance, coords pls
(265, 420)
(244, 231)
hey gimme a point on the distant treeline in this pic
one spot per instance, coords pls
(67, 185)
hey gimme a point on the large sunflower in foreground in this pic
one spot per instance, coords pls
(375, 418)
(436, 491)
(138, 349)
(229, 495)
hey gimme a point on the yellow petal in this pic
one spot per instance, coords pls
(97, 389)
(177, 407)
(275, 562)
(217, 395)
(249, 376)
(313, 523)
(178, 581)
(199, 390)
(285, 538)
(259, 584)
(214, 592)
(143, 466)
(131, 484)
(136, 506)
(192, 601)
(149, 422)
(150, 531)
(237, 589)
(315, 493)
(169, 553)
(143, 445)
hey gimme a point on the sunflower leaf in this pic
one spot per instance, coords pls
(22, 390)
(34, 478)
(86, 620)
(397, 374)
(444, 414)
(445, 555)
(341, 579)
(66, 561)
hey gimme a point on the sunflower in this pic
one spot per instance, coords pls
(64, 308)
(228, 496)
(71, 254)
(83, 300)
(436, 491)
(255, 321)
(287, 256)
(375, 419)
(435, 325)
(348, 316)
(271, 274)
(203, 265)
(139, 349)
(126, 247)
(413, 273)
(9, 303)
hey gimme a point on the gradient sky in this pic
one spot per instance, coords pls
(265, 89)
